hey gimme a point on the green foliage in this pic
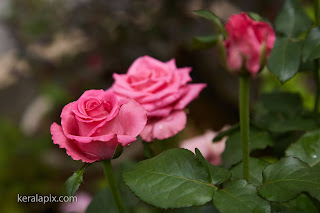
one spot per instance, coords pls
(300, 204)
(307, 149)
(292, 20)
(232, 155)
(201, 42)
(311, 48)
(292, 23)
(218, 175)
(101, 202)
(209, 208)
(284, 60)
(281, 112)
(255, 16)
(298, 84)
(211, 16)
(256, 168)
(74, 181)
(172, 179)
(239, 196)
(287, 178)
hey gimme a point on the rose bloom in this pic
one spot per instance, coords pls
(162, 89)
(94, 125)
(244, 44)
(210, 150)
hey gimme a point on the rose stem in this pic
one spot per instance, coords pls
(244, 122)
(108, 172)
(316, 61)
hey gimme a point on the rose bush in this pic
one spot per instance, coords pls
(93, 126)
(211, 151)
(162, 89)
(247, 40)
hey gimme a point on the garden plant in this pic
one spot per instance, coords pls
(271, 158)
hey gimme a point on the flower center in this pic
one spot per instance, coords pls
(98, 108)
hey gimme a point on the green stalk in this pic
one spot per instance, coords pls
(244, 122)
(108, 172)
(316, 6)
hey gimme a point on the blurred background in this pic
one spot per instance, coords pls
(51, 51)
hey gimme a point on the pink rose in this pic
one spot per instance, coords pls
(211, 151)
(246, 38)
(94, 125)
(162, 89)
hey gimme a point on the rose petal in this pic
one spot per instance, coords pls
(193, 91)
(166, 127)
(164, 102)
(103, 98)
(145, 63)
(82, 133)
(125, 139)
(132, 118)
(163, 112)
(146, 133)
(216, 151)
(72, 150)
(83, 139)
(184, 75)
(99, 150)
(211, 151)
(68, 121)
(202, 142)
(171, 88)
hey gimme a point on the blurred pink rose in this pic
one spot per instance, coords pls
(244, 42)
(79, 206)
(162, 89)
(94, 125)
(211, 151)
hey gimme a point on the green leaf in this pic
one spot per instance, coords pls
(74, 181)
(287, 178)
(209, 208)
(240, 197)
(307, 149)
(233, 154)
(307, 66)
(283, 102)
(255, 16)
(284, 60)
(211, 16)
(292, 20)
(228, 132)
(281, 112)
(101, 202)
(311, 48)
(173, 179)
(256, 168)
(278, 124)
(218, 175)
(300, 204)
(202, 42)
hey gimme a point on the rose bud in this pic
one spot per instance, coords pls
(162, 89)
(93, 126)
(211, 151)
(248, 45)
